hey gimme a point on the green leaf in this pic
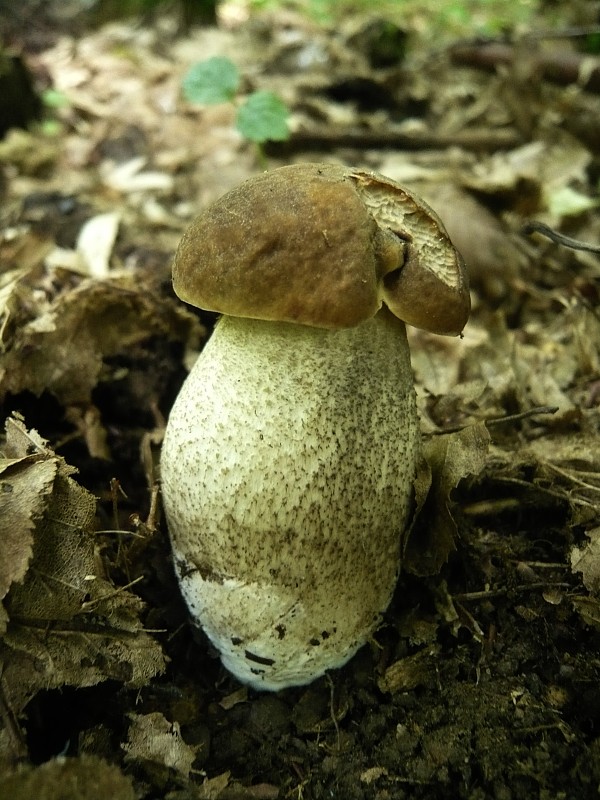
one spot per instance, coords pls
(213, 81)
(263, 117)
(52, 98)
(591, 43)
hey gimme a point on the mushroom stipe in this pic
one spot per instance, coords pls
(290, 452)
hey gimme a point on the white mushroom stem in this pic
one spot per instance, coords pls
(287, 468)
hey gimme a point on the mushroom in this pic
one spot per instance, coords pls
(290, 452)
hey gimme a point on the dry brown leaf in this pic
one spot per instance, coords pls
(538, 163)
(461, 378)
(436, 360)
(83, 778)
(587, 561)
(557, 474)
(450, 458)
(30, 153)
(63, 570)
(155, 745)
(61, 349)
(9, 282)
(570, 465)
(373, 774)
(483, 374)
(67, 623)
(588, 609)
(213, 788)
(412, 671)
(26, 480)
(24, 487)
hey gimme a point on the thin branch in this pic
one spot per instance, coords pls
(533, 226)
(526, 587)
(532, 412)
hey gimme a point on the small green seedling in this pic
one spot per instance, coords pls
(261, 117)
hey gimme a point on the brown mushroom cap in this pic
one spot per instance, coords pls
(322, 245)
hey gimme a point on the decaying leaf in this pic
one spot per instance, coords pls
(59, 346)
(67, 623)
(450, 458)
(83, 778)
(217, 789)
(24, 487)
(568, 467)
(408, 673)
(30, 153)
(495, 371)
(372, 774)
(535, 164)
(588, 609)
(155, 745)
(587, 561)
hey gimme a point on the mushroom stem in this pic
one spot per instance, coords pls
(287, 512)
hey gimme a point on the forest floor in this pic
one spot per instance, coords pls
(484, 678)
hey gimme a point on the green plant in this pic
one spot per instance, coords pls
(53, 102)
(261, 117)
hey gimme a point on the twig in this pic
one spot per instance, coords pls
(526, 587)
(522, 415)
(87, 606)
(570, 477)
(533, 226)
(482, 139)
(332, 708)
(532, 412)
